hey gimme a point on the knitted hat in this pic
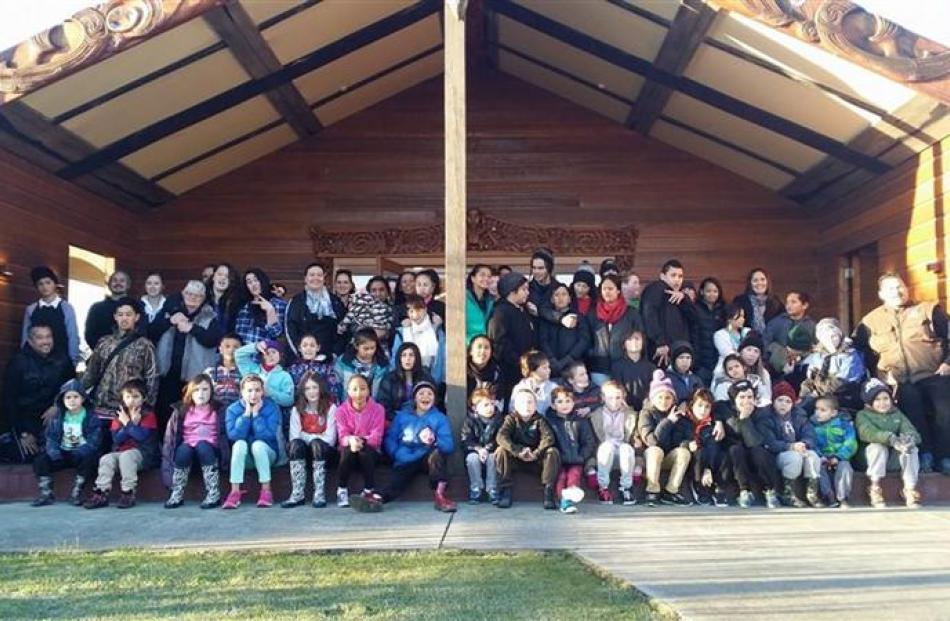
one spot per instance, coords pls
(828, 328)
(784, 389)
(681, 347)
(608, 266)
(509, 283)
(423, 384)
(872, 389)
(40, 272)
(800, 339)
(545, 255)
(585, 266)
(660, 383)
(752, 339)
(272, 344)
(584, 276)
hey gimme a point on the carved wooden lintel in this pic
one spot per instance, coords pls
(91, 35)
(485, 234)
(848, 30)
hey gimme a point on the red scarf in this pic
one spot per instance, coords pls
(583, 305)
(611, 312)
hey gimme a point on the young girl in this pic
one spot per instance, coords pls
(420, 439)
(633, 371)
(536, 371)
(585, 394)
(395, 389)
(313, 437)
(359, 424)
(195, 429)
(733, 371)
(665, 432)
(252, 426)
(73, 437)
(482, 371)
(576, 444)
(525, 438)
(263, 360)
(564, 345)
(709, 455)
(728, 338)
(225, 376)
(478, 439)
(134, 447)
(365, 357)
(427, 287)
(750, 353)
(311, 359)
(615, 426)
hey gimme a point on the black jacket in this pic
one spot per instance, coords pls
(574, 437)
(635, 377)
(480, 433)
(563, 345)
(773, 308)
(704, 323)
(300, 321)
(664, 323)
(392, 394)
(100, 321)
(30, 386)
(512, 334)
(487, 377)
(738, 430)
(607, 341)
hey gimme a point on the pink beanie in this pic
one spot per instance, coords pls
(660, 383)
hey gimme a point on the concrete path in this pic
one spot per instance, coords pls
(704, 563)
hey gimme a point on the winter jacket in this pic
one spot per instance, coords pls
(100, 321)
(477, 314)
(392, 393)
(488, 377)
(663, 321)
(654, 428)
(365, 311)
(65, 329)
(368, 424)
(345, 368)
(199, 348)
(738, 430)
(763, 394)
(589, 400)
(516, 433)
(876, 428)
(437, 369)
(907, 344)
(776, 331)
(478, 432)
(839, 374)
(629, 425)
(265, 426)
(300, 321)
(91, 433)
(142, 436)
(836, 437)
(402, 441)
(322, 366)
(136, 361)
(635, 377)
(226, 383)
(704, 323)
(512, 334)
(173, 438)
(278, 385)
(772, 428)
(574, 437)
(563, 345)
(684, 385)
(607, 340)
(773, 308)
(30, 386)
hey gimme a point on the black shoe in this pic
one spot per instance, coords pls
(652, 499)
(504, 498)
(720, 499)
(549, 497)
(676, 499)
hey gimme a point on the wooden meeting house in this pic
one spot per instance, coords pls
(381, 135)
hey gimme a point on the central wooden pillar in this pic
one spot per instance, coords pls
(455, 244)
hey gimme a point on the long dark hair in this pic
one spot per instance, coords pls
(416, 369)
(382, 279)
(231, 295)
(399, 299)
(366, 335)
(260, 317)
(323, 402)
(432, 275)
(712, 279)
(471, 274)
(748, 280)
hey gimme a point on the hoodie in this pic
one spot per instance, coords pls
(91, 427)
(779, 432)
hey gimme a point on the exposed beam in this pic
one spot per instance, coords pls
(33, 137)
(252, 88)
(847, 30)
(236, 28)
(690, 25)
(88, 37)
(697, 90)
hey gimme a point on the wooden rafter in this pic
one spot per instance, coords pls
(236, 28)
(90, 36)
(687, 31)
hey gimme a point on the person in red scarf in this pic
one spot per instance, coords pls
(611, 320)
(710, 466)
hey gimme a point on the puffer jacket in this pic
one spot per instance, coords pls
(402, 441)
(836, 437)
(575, 437)
(173, 438)
(772, 428)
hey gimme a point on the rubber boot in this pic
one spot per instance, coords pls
(45, 497)
(442, 502)
(179, 481)
(319, 484)
(211, 476)
(298, 483)
(789, 497)
(813, 495)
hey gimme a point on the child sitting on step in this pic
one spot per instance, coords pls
(525, 439)
(312, 438)
(478, 439)
(311, 359)
(837, 444)
(225, 376)
(360, 423)
(575, 442)
(253, 423)
(614, 425)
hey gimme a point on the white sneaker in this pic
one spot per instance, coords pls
(342, 497)
(626, 494)
(573, 494)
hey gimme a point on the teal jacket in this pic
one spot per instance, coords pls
(476, 319)
(278, 384)
(836, 437)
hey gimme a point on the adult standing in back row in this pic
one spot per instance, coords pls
(663, 306)
(511, 330)
(100, 321)
(316, 311)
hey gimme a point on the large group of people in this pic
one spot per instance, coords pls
(678, 394)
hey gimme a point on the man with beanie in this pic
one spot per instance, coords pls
(53, 311)
(510, 328)
(906, 341)
(100, 321)
(663, 306)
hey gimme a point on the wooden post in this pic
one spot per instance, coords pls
(455, 243)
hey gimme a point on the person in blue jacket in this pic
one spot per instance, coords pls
(252, 423)
(420, 438)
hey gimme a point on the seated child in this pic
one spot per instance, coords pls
(787, 434)
(360, 422)
(733, 371)
(478, 439)
(666, 432)
(364, 356)
(882, 428)
(536, 371)
(710, 464)
(634, 371)
(311, 359)
(585, 393)
(680, 371)
(73, 437)
(614, 425)
(834, 369)
(134, 447)
(225, 376)
(395, 389)
(837, 444)
(196, 429)
(525, 438)
(576, 444)
(312, 438)
(429, 338)
(253, 423)
(263, 359)
(419, 440)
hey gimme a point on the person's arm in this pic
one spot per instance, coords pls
(393, 436)
(52, 439)
(849, 446)
(329, 435)
(772, 443)
(378, 422)
(89, 333)
(443, 433)
(662, 432)
(150, 373)
(645, 429)
(72, 332)
(291, 329)
(162, 321)
(808, 435)
(274, 330)
(267, 421)
(11, 392)
(548, 439)
(208, 336)
(344, 429)
(294, 430)
(25, 330)
(907, 428)
(141, 431)
(501, 343)
(120, 432)
(468, 437)
(870, 433)
(588, 442)
(650, 309)
(236, 424)
(245, 357)
(939, 322)
(504, 439)
(281, 387)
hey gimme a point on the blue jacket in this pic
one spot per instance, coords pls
(91, 431)
(770, 426)
(402, 438)
(278, 384)
(684, 385)
(262, 427)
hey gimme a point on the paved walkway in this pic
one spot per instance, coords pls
(705, 563)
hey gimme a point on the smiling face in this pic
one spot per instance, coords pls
(119, 284)
(759, 283)
(227, 348)
(154, 286)
(425, 399)
(407, 359)
(794, 306)
(750, 355)
(613, 398)
(407, 283)
(379, 290)
(663, 400)
(271, 357)
(543, 372)
(882, 403)
(309, 348)
(41, 340)
(745, 401)
(710, 293)
(253, 284)
(893, 292)
(481, 279)
(579, 378)
(519, 296)
(563, 404)
(342, 285)
(673, 277)
(701, 409)
(72, 400)
(738, 320)
(192, 300)
(485, 408)
(221, 279)
(525, 404)
(313, 280)
(480, 351)
(539, 271)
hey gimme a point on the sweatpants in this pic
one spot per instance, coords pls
(262, 456)
(402, 474)
(794, 464)
(206, 453)
(364, 460)
(128, 463)
(676, 461)
(877, 457)
(315, 450)
(754, 465)
(569, 476)
(610, 455)
(843, 478)
(926, 404)
(549, 463)
(84, 463)
(481, 475)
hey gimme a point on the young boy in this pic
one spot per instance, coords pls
(585, 394)
(680, 371)
(634, 371)
(710, 466)
(73, 436)
(615, 425)
(882, 427)
(429, 338)
(837, 444)
(312, 359)
(526, 438)
(263, 359)
(666, 432)
(478, 439)
(575, 443)
(787, 434)
(225, 377)
(134, 444)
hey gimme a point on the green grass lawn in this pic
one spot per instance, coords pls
(377, 585)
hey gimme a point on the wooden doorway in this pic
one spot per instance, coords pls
(858, 274)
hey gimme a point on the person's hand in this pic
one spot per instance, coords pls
(177, 318)
(832, 462)
(135, 417)
(693, 447)
(29, 444)
(185, 327)
(406, 323)
(264, 303)
(707, 478)
(525, 454)
(427, 437)
(746, 413)
(943, 370)
(675, 296)
(532, 308)
(262, 347)
(583, 412)
(483, 455)
(674, 414)
(436, 320)
(48, 414)
(356, 444)
(123, 417)
(799, 447)
(719, 431)
(569, 321)
(662, 355)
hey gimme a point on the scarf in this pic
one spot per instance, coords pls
(583, 305)
(758, 311)
(611, 312)
(698, 425)
(425, 338)
(319, 303)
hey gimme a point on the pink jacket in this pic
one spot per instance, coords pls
(369, 424)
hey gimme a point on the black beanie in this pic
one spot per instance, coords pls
(608, 266)
(752, 339)
(510, 282)
(40, 272)
(681, 347)
(545, 255)
(872, 389)
(585, 277)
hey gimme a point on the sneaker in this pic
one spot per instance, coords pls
(493, 496)
(719, 498)
(367, 502)
(266, 499)
(233, 501)
(97, 499)
(701, 494)
(676, 499)
(126, 500)
(567, 506)
(574, 494)
(627, 497)
(43, 499)
(746, 499)
(653, 499)
(474, 496)
(911, 498)
(771, 499)
(604, 496)
(342, 497)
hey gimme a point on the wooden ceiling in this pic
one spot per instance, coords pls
(251, 76)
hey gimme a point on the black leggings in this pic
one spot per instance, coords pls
(433, 463)
(364, 460)
(85, 465)
(315, 450)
